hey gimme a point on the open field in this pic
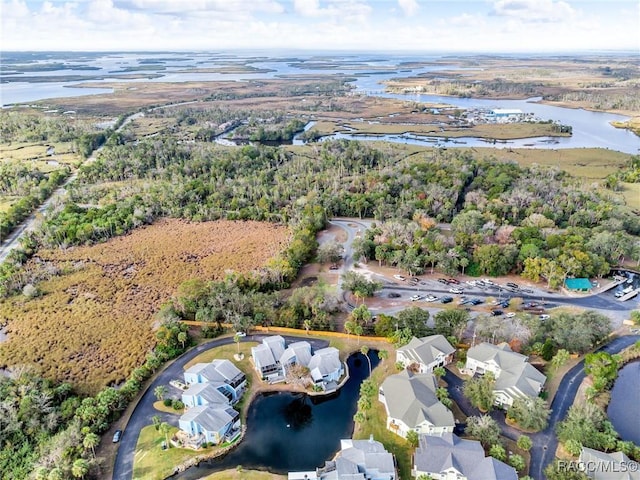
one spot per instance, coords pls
(631, 194)
(153, 463)
(93, 323)
(36, 153)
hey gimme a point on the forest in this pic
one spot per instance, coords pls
(449, 210)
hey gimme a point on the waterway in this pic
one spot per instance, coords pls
(623, 407)
(293, 431)
(590, 129)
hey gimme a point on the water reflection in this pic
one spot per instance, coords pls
(294, 431)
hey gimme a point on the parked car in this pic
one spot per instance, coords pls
(544, 317)
(414, 298)
(415, 279)
(394, 295)
(510, 315)
(512, 285)
(526, 290)
(117, 435)
(455, 290)
(497, 313)
(443, 280)
(454, 281)
(399, 277)
(431, 298)
(476, 301)
(446, 299)
(240, 334)
(504, 304)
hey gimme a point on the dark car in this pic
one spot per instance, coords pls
(512, 285)
(394, 295)
(116, 436)
(504, 304)
(454, 281)
(443, 280)
(476, 301)
(497, 313)
(446, 299)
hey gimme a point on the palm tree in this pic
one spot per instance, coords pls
(156, 422)
(439, 372)
(165, 428)
(383, 355)
(80, 468)
(56, 474)
(236, 338)
(307, 325)
(182, 338)
(90, 442)
(364, 350)
(160, 391)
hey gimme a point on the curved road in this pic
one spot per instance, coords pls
(545, 442)
(32, 221)
(144, 410)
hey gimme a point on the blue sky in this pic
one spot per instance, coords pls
(369, 25)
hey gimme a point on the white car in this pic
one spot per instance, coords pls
(510, 315)
(240, 334)
(544, 317)
(399, 277)
(415, 298)
(455, 290)
(431, 298)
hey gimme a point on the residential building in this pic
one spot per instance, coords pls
(608, 466)
(411, 404)
(297, 353)
(266, 357)
(207, 423)
(222, 373)
(448, 457)
(206, 394)
(515, 377)
(325, 365)
(272, 358)
(356, 460)
(426, 353)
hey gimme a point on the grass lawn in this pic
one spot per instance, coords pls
(244, 475)
(150, 461)
(631, 194)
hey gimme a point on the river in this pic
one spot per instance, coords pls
(590, 129)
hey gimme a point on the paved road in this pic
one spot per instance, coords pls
(32, 222)
(144, 411)
(545, 442)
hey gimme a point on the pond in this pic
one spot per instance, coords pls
(623, 407)
(293, 431)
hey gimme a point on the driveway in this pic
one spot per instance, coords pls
(545, 442)
(144, 411)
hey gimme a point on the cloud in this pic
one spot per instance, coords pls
(409, 7)
(181, 7)
(333, 10)
(545, 11)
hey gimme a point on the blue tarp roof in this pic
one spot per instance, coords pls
(578, 283)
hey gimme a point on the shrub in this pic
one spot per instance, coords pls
(167, 402)
(178, 405)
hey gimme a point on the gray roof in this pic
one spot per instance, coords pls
(227, 369)
(516, 374)
(326, 360)
(520, 379)
(370, 457)
(411, 397)
(426, 349)
(262, 356)
(613, 462)
(210, 418)
(300, 351)
(216, 371)
(436, 454)
(501, 354)
(276, 344)
(207, 391)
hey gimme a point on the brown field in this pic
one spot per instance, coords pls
(93, 324)
(36, 153)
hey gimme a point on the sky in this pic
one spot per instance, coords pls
(491, 26)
